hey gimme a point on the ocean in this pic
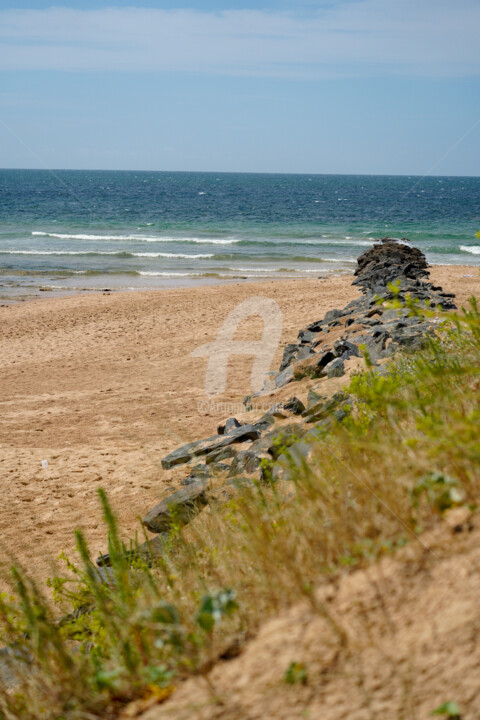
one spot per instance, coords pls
(72, 231)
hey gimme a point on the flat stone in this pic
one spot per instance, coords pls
(307, 336)
(179, 508)
(284, 377)
(332, 315)
(203, 447)
(146, 550)
(223, 453)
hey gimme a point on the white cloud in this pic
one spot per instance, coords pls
(430, 37)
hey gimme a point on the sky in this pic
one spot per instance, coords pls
(340, 86)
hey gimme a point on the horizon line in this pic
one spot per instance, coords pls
(237, 172)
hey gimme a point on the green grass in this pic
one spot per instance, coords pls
(405, 451)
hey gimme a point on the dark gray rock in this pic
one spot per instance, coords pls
(324, 359)
(386, 261)
(336, 368)
(229, 425)
(289, 355)
(345, 349)
(410, 321)
(265, 422)
(412, 341)
(203, 447)
(332, 315)
(278, 412)
(147, 551)
(313, 398)
(307, 336)
(222, 454)
(200, 471)
(247, 402)
(284, 377)
(284, 437)
(316, 326)
(294, 405)
(247, 461)
(326, 408)
(394, 314)
(179, 508)
(305, 352)
(375, 343)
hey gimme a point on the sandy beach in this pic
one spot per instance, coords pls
(102, 386)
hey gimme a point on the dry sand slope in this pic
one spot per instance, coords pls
(103, 386)
(410, 625)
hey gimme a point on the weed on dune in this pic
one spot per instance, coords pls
(404, 452)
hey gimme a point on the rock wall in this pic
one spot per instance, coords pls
(217, 465)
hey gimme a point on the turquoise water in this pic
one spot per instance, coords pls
(74, 230)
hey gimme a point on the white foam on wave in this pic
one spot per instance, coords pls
(182, 256)
(49, 252)
(473, 249)
(197, 256)
(168, 274)
(348, 240)
(138, 238)
(82, 236)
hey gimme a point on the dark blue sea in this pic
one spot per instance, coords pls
(82, 230)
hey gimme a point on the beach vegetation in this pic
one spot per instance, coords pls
(97, 638)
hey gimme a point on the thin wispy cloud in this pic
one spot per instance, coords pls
(362, 37)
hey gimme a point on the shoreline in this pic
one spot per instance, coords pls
(103, 386)
(167, 283)
(48, 292)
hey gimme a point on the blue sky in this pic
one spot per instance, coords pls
(357, 86)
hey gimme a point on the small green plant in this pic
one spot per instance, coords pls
(296, 674)
(441, 491)
(214, 608)
(449, 710)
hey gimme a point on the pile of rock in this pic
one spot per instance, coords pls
(236, 455)
(365, 324)
(388, 260)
